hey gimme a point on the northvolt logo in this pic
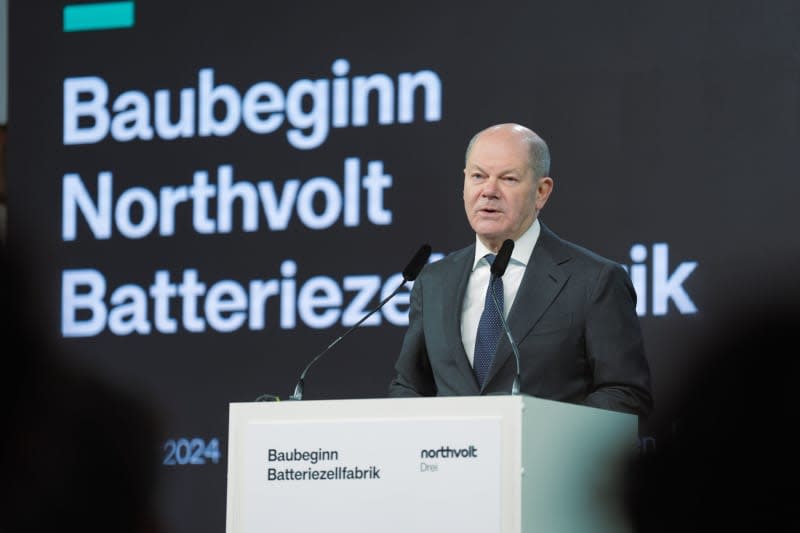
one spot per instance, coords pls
(656, 279)
(446, 452)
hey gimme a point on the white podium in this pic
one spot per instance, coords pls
(490, 464)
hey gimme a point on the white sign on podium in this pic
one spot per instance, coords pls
(472, 464)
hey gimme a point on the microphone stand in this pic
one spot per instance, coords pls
(498, 269)
(514, 348)
(298, 390)
(410, 273)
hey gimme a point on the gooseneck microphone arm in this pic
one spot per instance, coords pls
(298, 390)
(410, 273)
(498, 269)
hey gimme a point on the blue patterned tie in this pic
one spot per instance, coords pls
(489, 328)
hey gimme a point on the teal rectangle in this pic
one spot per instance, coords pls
(99, 16)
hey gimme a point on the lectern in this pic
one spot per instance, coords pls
(488, 464)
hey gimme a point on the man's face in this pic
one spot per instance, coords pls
(501, 197)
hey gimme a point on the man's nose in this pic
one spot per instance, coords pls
(490, 188)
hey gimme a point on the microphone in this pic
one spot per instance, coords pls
(501, 260)
(498, 269)
(410, 273)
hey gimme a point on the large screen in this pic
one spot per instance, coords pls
(205, 195)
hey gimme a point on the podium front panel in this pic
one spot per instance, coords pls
(498, 464)
(389, 465)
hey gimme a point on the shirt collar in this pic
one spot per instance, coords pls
(523, 247)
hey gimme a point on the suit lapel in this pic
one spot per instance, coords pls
(541, 283)
(453, 287)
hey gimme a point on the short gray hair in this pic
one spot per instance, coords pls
(538, 152)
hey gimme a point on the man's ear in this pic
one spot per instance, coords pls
(544, 186)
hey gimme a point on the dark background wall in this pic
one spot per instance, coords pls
(672, 128)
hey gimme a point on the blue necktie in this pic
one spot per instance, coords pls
(489, 328)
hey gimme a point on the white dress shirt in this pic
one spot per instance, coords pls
(479, 282)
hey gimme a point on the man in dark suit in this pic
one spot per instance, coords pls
(570, 311)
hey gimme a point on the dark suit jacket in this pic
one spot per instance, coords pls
(573, 319)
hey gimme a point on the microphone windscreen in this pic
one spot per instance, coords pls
(503, 256)
(414, 266)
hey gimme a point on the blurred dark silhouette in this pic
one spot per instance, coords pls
(77, 454)
(725, 458)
